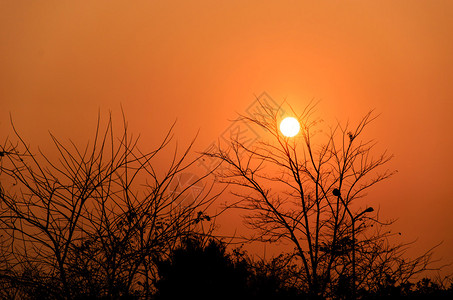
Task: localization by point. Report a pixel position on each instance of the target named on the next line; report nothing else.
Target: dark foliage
(423, 289)
(207, 271)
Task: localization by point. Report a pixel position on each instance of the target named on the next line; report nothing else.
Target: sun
(289, 126)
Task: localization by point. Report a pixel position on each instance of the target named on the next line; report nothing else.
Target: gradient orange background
(202, 61)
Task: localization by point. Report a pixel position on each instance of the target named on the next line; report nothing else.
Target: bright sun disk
(289, 126)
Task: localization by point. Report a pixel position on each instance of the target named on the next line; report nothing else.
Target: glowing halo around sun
(289, 126)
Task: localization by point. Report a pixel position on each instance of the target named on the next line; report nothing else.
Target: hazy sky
(202, 61)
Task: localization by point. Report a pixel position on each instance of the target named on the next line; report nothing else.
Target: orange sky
(202, 61)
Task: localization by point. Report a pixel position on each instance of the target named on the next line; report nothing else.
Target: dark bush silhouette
(195, 271)
(423, 289)
(204, 270)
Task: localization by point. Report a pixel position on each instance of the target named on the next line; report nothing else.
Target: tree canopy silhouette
(309, 191)
(93, 221)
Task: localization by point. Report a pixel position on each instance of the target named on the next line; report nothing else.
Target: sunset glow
(190, 75)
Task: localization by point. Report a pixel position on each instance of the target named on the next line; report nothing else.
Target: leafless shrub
(94, 221)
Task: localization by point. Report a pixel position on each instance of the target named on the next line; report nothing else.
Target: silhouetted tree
(93, 222)
(308, 190)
